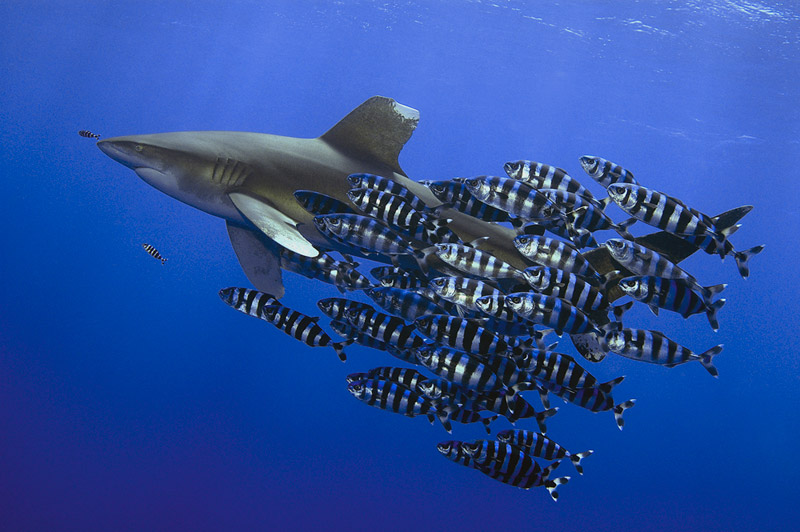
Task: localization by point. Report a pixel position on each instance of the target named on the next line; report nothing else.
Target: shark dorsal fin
(375, 131)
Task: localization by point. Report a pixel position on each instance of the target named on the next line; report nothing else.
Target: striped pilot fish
(725, 248)
(589, 218)
(460, 368)
(461, 415)
(302, 327)
(336, 307)
(388, 329)
(558, 368)
(605, 172)
(593, 398)
(153, 252)
(346, 330)
(389, 395)
(566, 285)
(88, 134)
(246, 300)
(655, 348)
(407, 377)
(670, 294)
(511, 195)
(397, 212)
(452, 451)
(462, 334)
(556, 254)
(662, 211)
(384, 184)
(317, 203)
(404, 303)
(544, 176)
(552, 312)
(455, 194)
(536, 444)
(640, 260)
(343, 275)
(511, 465)
(473, 261)
(462, 291)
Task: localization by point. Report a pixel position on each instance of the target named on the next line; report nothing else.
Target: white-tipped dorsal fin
(259, 257)
(375, 131)
(273, 223)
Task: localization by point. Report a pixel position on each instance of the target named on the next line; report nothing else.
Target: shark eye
(139, 148)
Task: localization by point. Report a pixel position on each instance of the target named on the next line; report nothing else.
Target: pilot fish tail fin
(620, 409)
(339, 348)
(606, 387)
(706, 359)
(710, 291)
(622, 228)
(551, 486)
(743, 257)
(486, 422)
(445, 420)
(542, 416)
(712, 313)
(576, 460)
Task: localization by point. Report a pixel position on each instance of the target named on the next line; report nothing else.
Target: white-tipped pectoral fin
(273, 223)
(259, 257)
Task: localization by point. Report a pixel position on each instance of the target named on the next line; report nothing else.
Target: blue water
(131, 398)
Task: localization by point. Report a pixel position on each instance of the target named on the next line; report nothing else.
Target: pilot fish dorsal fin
(273, 223)
(375, 131)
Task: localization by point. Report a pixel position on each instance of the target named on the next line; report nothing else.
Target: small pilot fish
(317, 203)
(537, 444)
(455, 194)
(153, 252)
(408, 377)
(251, 302)
(552, 312)
(566, 285)
(556, 254)
(384, 184)
(512, 196)
(336, 307)
(88, 134)
(593, 398)
(475, 262)
(323, 267)
(557, 368)
(566, 202)
(394, 397)
(362, 232)
(605, 172)
(670, 294)
(461, 334)
(391, 209)
(640, 260)
(403, 281)
(462, 415)
(496, 307)
(462, 291)
(389, 329)
(452, 451)
(590, 218)
(654, 347)
(712, 247)
(540, 176)
(302, 327)
(661, 211)
(403, 303)
(460, 368)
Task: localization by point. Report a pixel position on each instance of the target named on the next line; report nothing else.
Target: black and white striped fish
(566, 202)
(317, 203)
(389, 329)
(566, 285)
(343, 275)
(537, 444)
(670, 294)
(640, 260)
(153, 252)
(495, 306)
(455, 194)
(558, 368)
(408, 377)
(302, 327)
(589, 219)
(475, 262)
(336, 307)
(539, 176)
(346, 330)
(462, 291)
(655, 348)
(452, 451)
(556, 254)
(384, 184)
(712, 247)
(389, 395)
(460, 368)
(88, 134)
(246, 300)
(404, 303)
(461, 415)
(593, 398)
(461, 334)
(511, 195)
(661, 211)
(605, 172)
(552, 312)
(364, 233)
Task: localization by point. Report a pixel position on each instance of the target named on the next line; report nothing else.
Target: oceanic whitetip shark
(249, 179)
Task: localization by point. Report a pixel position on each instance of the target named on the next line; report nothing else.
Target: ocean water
(131, 398)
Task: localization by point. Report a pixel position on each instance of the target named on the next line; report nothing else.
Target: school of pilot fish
(472, 330)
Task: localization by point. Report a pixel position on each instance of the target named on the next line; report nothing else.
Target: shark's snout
(126, 152)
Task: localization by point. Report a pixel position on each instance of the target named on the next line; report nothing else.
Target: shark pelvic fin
(375, 131)
(273, 223)
(259, 257)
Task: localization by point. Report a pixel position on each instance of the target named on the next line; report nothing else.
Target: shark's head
(187, 166)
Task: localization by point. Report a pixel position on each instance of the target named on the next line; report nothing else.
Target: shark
(249, 179)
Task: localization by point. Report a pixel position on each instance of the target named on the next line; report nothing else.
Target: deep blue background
(132, 398)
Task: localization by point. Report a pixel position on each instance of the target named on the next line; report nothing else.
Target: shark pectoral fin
(273, 223)
(376, 131)
(260, 259)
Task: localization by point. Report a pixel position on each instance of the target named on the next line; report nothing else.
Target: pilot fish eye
(515, 299)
